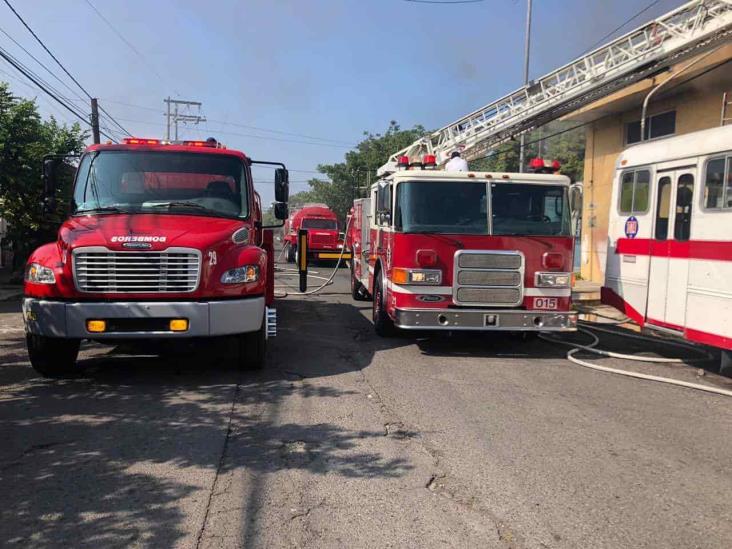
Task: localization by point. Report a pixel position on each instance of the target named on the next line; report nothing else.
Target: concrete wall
(697, 101)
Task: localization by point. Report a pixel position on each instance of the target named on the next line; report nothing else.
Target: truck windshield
(441, 207)
(461, 207)
(162, 182)
(520, 209)
(315, 223)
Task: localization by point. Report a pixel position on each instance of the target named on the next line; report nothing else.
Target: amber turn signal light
(179, 325)
(96, 326)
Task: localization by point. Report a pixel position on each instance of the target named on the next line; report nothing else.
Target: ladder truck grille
(488, 278)
(175, 270)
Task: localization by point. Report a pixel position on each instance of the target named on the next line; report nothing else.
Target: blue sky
(329, 69)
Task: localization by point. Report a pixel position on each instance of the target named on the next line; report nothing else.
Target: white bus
(669, 261)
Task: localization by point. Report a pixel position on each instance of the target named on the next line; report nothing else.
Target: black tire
(52, 356)
(290, 253)
(358, 292)
(252, 349)
(383, 324)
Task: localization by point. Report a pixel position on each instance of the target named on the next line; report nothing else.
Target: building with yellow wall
(690, 100)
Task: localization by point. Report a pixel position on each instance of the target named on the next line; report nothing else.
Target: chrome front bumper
(486, 319)
(205, 319)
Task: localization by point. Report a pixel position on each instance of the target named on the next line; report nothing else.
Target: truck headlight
(245, 273)
(553, 280)
(428, 277)
(38, 274)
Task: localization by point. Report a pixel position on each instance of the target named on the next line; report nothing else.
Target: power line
(127, 42)
(225, 123)
(31, 77)
(616, 29)
(49, 71)
(444, 1)
(236, 134)
(30, 30)
(234, 124)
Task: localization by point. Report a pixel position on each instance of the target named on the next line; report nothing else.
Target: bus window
(713, 186)
(684, 198)
(663, 207)
(728, 189)
(634, 189)
(626, 193)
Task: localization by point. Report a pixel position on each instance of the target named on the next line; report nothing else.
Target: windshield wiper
(101, 209)
(181, 204)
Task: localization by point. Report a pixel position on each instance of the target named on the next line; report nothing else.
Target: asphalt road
(348, 440)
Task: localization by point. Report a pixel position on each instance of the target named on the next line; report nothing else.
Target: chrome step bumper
(486, 319)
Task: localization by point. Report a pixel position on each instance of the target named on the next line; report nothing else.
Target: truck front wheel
(383, 324)
(252, 349)
(52, 356)
(290, 253)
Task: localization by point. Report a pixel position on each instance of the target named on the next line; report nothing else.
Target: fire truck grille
(484, 278)
(490, 278)
(490, 261)
(492, 296)
(103, 271)
(321, 239)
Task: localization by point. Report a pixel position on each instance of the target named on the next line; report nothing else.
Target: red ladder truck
(443, 250)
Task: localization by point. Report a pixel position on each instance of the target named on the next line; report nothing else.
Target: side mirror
(50, 177)
(280, 210)
(575, 199)
(575, 206)
(282, 186)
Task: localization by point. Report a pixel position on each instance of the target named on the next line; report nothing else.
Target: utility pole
(95, 120)
(185, 117)
(527, 48)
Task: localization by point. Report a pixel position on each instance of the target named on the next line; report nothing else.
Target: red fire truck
(443, 250)
(324, 240)
(164, 242)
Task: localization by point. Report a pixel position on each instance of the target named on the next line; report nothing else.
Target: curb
(10, 295)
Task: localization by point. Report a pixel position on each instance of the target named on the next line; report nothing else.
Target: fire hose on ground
(587, 327)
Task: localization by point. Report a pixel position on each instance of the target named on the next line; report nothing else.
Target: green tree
(554, 141)
(24, 139)
(349, 179)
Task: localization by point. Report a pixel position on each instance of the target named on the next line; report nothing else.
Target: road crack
(222, 459)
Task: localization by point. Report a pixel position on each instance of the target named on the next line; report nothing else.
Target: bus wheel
(383, 325)
(52, 356)
(290, 253)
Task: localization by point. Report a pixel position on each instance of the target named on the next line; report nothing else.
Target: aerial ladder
(690, 29)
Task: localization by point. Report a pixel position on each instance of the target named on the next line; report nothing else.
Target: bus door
(669, 268)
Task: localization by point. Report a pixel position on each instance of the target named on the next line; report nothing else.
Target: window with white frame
(718, 183)
(634, 189)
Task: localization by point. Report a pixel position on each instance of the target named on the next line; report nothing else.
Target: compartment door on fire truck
(669, 269)
(364, 217)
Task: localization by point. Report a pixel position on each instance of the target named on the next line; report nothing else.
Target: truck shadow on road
(127, 452)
